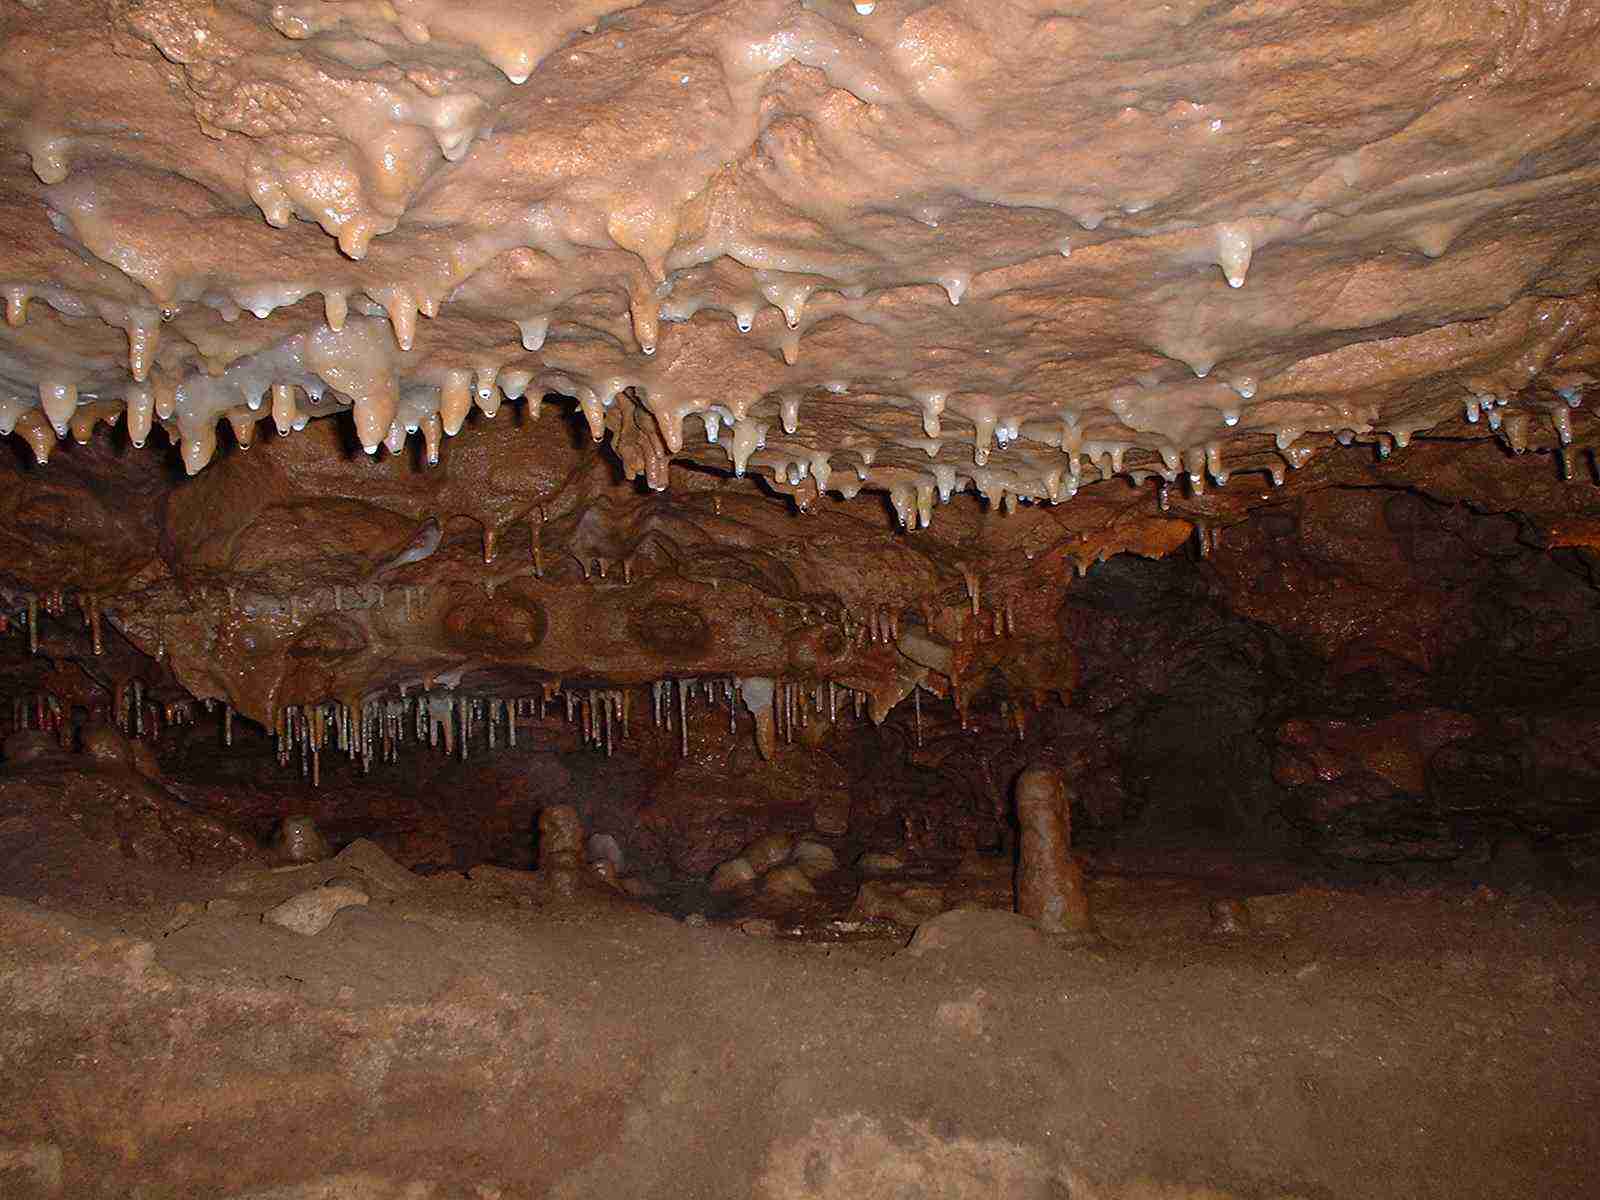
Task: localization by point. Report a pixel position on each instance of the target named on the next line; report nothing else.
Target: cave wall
(1370, 673)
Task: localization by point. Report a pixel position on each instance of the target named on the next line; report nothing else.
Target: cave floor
(479, 1037)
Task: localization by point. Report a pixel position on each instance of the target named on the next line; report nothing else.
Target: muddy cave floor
(478, 1035)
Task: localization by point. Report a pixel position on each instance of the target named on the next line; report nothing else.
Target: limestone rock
(832, 815)
(787, 882)
(905, 904)
(299, 841)
(815, 859)
(603, 847)
(368, 860)
(880, 863)
(767, 852)
(311, 911)
(732, 875)
(982, 932)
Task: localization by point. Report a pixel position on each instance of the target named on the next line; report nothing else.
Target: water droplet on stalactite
(534, 330)
(594, 413)
(646, 314)
(1572, 395)
(198, 446)
(143, 338)
(488, 395)
(396, 439)
(1563, 423)
(1234, 248)
(140, 402)
(59, 400)
(514, 386)
(244, 429)
(165, 388)
(455, 401)
(1515, 432)
(955, 286)
(1472, 410)
(983, 428)
(1214, 464)
(904, 501)
(744, 440)
(432, 433)
(865, 7)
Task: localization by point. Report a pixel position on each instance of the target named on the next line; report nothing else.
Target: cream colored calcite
(918, 249)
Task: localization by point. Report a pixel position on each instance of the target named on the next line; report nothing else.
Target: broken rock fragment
(313, 910)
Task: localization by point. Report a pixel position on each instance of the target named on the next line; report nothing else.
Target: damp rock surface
(312, 911)
(597, 1020)
(299, 841)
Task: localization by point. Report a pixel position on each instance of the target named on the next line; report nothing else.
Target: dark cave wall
(1365, 677)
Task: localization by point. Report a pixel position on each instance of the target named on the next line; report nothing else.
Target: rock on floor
(311, 911)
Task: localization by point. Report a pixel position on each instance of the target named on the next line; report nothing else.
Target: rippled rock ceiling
(889, 320)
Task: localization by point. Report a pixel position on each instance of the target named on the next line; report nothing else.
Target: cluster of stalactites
(375, 731)
(138, 716)
(30, 606)
(41, 711)
(133, 712)
(354, 368)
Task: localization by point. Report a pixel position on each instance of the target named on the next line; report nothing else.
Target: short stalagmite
(1050, 885)
(298, 840)
(561, 847)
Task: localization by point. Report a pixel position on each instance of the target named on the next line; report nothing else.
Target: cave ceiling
(815, 341)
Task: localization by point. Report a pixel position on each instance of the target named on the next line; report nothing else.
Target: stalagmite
(561, 848)
(1050, 883)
